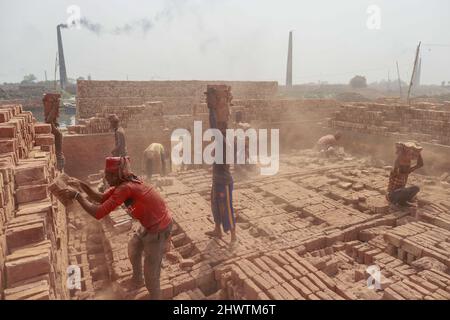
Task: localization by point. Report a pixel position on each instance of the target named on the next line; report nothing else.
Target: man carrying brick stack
(397, 192)
(51, 113)
(143, 203)
(120, 148)
(218, 99)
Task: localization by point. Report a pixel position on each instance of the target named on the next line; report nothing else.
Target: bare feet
(214, 234)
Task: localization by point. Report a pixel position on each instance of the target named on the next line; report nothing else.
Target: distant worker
(327, 144)
(51, 113)
(397, 192)
(155, 160)
(143, 203)
(120, 148)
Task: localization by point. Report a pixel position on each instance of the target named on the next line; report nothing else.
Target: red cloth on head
(112, 164)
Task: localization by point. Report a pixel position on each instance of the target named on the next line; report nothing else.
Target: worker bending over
(155, 160)
(143, 203)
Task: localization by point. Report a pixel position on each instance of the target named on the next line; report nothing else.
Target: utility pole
(413, 72)
(45, 72)
(399, 81)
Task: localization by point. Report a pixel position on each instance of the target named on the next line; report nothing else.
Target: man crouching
(397, 192)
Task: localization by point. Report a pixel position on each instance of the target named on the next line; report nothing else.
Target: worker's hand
(68, 193)
(74, 183)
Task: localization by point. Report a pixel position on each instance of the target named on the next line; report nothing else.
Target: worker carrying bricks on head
(218, 99)
(143, 203)
(120, 148)
(51, 113)
(397, 192)
(327, 144)
(155, 159)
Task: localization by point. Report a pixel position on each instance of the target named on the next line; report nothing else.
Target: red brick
(306, 282)
(293, 272)
(8, 145)
(274, 294)
(166, 291)
(44, 140)
(42, 128)
(251, 290)
(390, 294)
(24, 235)
(323, 296)
(261, 264)
(299, 268)
(31, 193)
(30, 174)
(262, 283)
(284, 274)
(301, 288)
(314, 279)
(7, 131)
(27, 267)
(294, 293)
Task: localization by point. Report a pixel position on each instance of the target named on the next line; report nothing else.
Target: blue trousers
(222, 205)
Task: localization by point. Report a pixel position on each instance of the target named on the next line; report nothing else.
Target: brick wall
(176, 95)
(85, 154)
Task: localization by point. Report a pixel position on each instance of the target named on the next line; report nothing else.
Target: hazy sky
(226, 39)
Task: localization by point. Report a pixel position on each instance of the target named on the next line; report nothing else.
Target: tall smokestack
(418, 74)
(289, 63)
(62, 63)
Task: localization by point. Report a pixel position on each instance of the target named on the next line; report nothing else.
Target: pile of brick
(418, 239)
(275, 110)
(33, 257)
(422, 122)
(279, 275)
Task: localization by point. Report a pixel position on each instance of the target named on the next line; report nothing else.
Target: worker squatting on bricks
(397, 192)
(143, 203)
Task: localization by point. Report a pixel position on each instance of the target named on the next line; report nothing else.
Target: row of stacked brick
(129, 116)
(423, 122)
(32, 223)
(177, 96)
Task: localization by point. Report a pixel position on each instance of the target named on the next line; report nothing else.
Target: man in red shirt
(143, 203)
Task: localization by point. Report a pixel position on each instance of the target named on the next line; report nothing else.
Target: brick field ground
(309, 232)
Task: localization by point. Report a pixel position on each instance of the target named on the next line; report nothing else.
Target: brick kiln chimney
(289, 63)
(62, 63)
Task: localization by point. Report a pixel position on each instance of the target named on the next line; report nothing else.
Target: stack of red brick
(32, 224)
(129, 116)
(422, 122)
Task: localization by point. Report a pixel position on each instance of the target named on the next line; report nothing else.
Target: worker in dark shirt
(222, 189)
(143, 203)
(120, 149)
